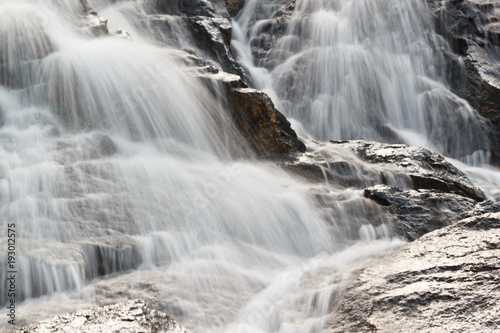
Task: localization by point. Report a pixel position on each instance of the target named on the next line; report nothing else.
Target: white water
(115, 160)
(359, 69)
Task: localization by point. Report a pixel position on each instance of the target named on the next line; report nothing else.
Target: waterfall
(125, 177)
(359, 69)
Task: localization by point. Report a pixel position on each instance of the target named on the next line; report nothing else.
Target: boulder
(422, 168)
(417, 190)
(446, 281)
(265, 129)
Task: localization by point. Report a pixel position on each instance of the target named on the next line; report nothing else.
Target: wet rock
(132, 316)
(213, 36)
(417, 190)
(187, 7)
(472, 28)
(263, 127)
(446, 281)
(396, 164)
(120, 33)
(106, 255)
(265, 36)
(93, 147)
(427, 170)
(208, 25)
(234, 6)
(417, 212)
(97, 25)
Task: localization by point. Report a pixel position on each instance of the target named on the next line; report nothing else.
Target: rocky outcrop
(427, 170)
(264, 128)
(472, 27)
(209, 26)
(446, 281)
(265, 131)
(97, 25)
(417, 189)
(421, 167)
(132, 316)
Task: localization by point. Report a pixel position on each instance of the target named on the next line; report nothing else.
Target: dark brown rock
(263, 127)
(234, 6)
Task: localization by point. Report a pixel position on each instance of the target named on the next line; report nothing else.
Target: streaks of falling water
(114, 157)
(359, 69)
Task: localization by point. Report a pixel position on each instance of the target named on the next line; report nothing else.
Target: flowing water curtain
(359, 70)
(64, 94)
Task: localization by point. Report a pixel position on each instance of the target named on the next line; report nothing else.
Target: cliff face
(442, 281)
(473, 29)
(265, 130)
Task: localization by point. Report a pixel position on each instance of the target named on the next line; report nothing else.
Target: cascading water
(114, 157)
(358, 69)
(118, 167)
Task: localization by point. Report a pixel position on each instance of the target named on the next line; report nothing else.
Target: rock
(132, 316)
(213, 36)
(120, 33)
(107, 255)
(417, 189)
(234, 6)
(263, 127)
(417, 167)
(419, 212)
(446, 281)
(427, 170)
(472, 28)
(97, 25)
(93, 147)
(187, 7)
(208, 25)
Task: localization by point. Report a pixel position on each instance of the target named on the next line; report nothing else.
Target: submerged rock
(132, 316)
(446, 281)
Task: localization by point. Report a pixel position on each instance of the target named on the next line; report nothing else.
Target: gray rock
(97, 25)
(132, 316)
(446, 281)
(421, 168)
(427, 170)
(419, 212)
(213, 36)
(472, 28)
(417, 190)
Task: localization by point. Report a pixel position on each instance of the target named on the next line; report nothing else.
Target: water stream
(125, 179)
